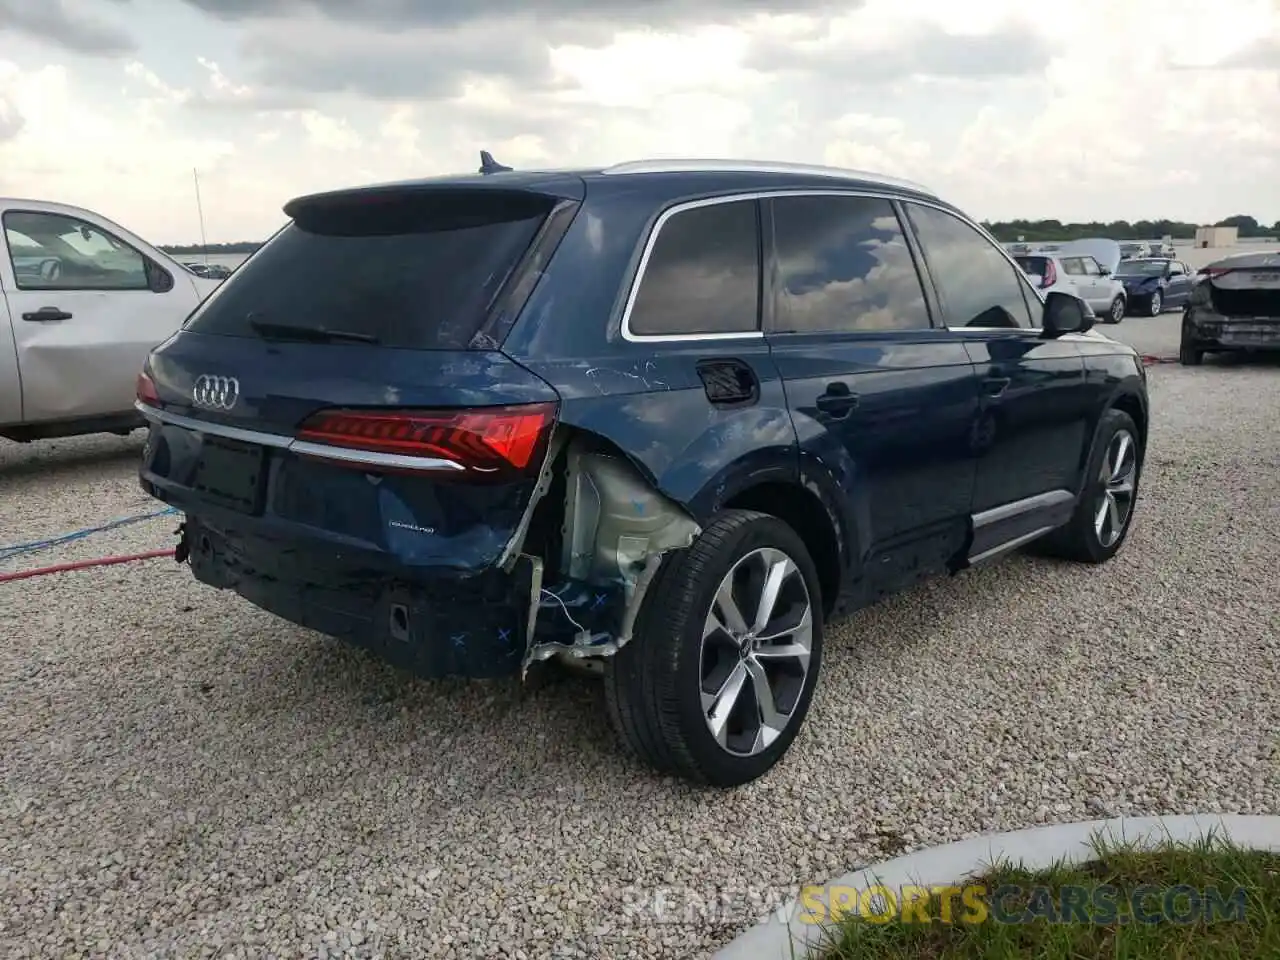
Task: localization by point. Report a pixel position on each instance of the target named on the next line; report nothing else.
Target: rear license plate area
(231, 474)
(1251, 334)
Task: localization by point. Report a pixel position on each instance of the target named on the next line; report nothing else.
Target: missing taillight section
(145, 391)
(489, 441)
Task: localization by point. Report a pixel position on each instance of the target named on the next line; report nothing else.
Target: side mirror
(1105, 271)
(1064, 313)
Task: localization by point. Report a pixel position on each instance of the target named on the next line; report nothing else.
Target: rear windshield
(1142, 268)
(411, 270)
(1034, 265)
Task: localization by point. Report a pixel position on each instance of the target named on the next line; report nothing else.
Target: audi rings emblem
(215, 393)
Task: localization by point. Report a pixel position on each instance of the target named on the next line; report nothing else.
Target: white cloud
(1086, 110)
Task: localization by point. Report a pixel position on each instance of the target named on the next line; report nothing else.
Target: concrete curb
(774, 938)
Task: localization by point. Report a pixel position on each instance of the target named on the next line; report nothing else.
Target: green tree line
(1006, 231)
(1009, 231)
(188, 249)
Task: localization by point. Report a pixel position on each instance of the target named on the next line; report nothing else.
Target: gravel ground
(183, 775)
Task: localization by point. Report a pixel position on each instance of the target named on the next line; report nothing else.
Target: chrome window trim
(304, 448)
(649, 243)
(753, 196)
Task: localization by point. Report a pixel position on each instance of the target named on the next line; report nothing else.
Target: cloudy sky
(1081, 109)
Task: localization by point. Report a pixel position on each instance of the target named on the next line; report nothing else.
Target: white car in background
(82, 303)
(1071, 270)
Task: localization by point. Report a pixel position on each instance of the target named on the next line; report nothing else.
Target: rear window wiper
(288, 331)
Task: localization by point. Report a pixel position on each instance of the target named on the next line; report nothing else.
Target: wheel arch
(804, 512)
(1129, 398)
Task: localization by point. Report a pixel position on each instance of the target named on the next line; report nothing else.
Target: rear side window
(978, 285)
(1036, 266)
(702, 275)
(410, 270)
(1073, 266)
(844, 266)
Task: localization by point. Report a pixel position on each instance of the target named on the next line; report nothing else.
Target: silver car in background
(82, 303)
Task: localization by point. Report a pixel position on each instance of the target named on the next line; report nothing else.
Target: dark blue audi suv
(664, 419)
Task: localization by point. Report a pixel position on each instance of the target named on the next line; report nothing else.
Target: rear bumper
(1212, 331)
(473, 625)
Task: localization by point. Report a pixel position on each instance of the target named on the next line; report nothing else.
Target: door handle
(838, 400)
(994, 386)
(46, 314)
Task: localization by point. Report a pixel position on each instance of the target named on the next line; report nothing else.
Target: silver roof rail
(761, 166)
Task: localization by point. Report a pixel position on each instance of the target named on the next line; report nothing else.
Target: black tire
(1116, 313)
(1189, 356)
(1078, 540)
(653, 684)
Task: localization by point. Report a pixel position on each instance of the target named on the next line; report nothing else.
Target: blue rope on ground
(18, 549)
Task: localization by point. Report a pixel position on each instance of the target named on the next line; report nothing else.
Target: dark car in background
(1154, 284)
(666, 418)
(1234, 307)
(214, 271)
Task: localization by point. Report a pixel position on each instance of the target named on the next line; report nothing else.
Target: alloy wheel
(1118, 477)
(1157, 303)
(756, 645)
(1117, 310)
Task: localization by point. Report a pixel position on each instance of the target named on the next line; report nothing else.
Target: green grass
(1207, 863)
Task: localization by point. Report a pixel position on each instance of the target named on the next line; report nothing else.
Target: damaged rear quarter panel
(677, 461)
(655, 411)
(646, 398)
(648, 402)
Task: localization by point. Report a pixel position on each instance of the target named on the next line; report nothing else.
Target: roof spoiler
(488, 165)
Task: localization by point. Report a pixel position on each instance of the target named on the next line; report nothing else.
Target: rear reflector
(493, 440)
(145, 390)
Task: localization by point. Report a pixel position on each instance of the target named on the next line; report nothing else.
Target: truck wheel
(717, 678)
(1188, 355)
(1103, 515)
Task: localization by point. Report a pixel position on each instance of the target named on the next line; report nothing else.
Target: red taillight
(1050, 275)
(145, 390)
(492, 440)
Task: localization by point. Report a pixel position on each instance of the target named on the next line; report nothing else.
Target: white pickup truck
(82, 303)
